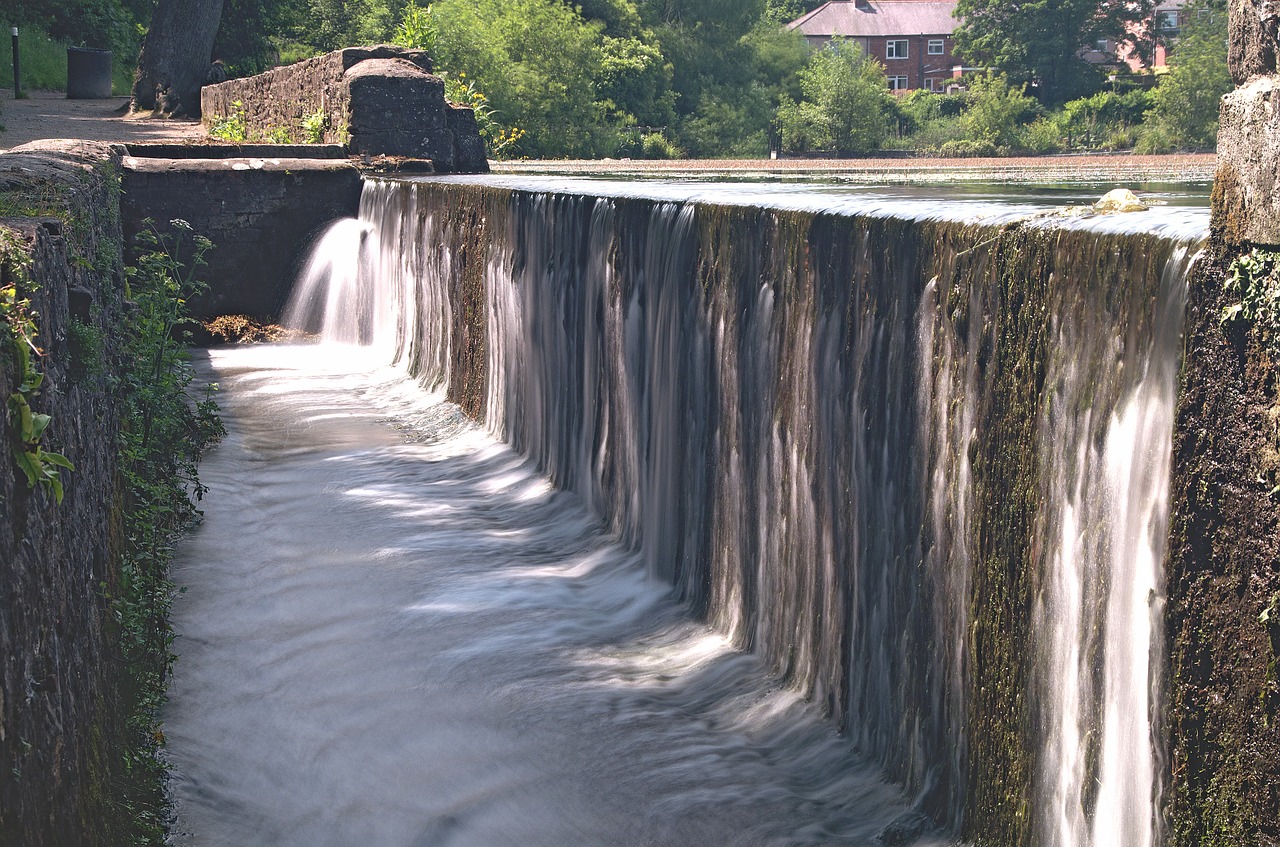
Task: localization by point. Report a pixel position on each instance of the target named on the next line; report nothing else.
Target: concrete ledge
(229, 150)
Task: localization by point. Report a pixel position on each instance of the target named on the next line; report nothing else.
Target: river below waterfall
(395, 632)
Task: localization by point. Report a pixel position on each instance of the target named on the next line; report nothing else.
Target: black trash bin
(88, 74)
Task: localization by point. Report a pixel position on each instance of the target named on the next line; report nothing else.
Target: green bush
(1041, 136)
(996, 110)
(655, 145)
(970, 148)
(230, 127)
(417, 29)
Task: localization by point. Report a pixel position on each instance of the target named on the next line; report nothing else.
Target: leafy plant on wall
(40, 467)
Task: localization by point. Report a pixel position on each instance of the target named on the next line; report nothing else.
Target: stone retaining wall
(1224, 566)
(380, 100)
(59, 707)
(260, 214)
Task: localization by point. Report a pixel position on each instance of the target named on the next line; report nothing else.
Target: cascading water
(919, 466)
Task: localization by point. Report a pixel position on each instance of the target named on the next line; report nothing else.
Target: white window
(1102, 46)
(935, 46)
(895, 49)
(898, 83)
(931, 84)
(1169, 20)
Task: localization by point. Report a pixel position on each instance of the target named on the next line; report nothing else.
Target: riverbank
(1120, 169)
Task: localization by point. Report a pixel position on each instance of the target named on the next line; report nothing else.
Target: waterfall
(919, 465)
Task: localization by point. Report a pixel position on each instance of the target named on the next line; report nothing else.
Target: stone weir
(374, 101)
(920, 466)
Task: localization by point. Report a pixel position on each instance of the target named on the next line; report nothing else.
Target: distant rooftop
(873, 18)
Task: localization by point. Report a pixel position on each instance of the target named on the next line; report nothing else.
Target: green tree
(846, 104)
(538, 61)
(1185, 112)
(635, 80)
(1037, 42)
(995, 110)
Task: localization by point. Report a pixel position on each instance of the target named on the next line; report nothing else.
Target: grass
(44, 64)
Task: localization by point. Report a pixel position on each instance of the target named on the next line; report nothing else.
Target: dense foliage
(846, 103)
(1039, 42)
(706, 78)
(163, 435)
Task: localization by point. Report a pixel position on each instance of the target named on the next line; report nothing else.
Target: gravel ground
(49, 114)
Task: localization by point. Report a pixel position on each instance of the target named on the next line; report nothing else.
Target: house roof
(871, 18)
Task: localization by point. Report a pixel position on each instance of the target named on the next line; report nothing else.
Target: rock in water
(1120, 200)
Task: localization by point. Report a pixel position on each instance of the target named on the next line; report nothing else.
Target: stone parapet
(380, 100)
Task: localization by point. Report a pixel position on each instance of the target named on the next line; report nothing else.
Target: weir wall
(60, 717)
(846, 441)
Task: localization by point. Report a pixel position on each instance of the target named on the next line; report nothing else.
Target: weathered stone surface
(260, 213)
(282, 98)
(380, 100)
(1251, 42)
(1246, 203)
(352, 56)
(59, 712)
(229, 150)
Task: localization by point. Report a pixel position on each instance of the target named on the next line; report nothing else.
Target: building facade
(911, 38)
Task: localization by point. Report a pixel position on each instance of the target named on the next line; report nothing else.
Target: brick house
(911, 38)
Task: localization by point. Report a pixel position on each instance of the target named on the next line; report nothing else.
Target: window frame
(891, 49)
(942, 47)
(895, 78)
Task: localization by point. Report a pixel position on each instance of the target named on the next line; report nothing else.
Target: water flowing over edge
(920, 466)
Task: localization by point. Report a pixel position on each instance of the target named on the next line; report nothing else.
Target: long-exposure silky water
(917, 462)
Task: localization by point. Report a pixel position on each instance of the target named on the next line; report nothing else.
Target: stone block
(1246, 203)
(1251, 42)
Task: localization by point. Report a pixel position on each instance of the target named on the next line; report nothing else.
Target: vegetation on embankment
(85, 579)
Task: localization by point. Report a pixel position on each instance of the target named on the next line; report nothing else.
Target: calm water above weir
(908, 458)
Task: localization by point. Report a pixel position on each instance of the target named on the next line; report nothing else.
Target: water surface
(394, 632)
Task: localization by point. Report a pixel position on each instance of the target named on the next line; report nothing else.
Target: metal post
(17, 77)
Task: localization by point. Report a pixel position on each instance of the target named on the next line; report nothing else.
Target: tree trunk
(175, 58)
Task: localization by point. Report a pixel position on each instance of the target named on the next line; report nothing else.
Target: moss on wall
(1224, 570)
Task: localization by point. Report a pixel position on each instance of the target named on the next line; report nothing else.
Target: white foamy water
(395, 632)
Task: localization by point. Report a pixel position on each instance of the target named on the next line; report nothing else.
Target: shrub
(417, 29)
(313, 127)
(655, 145)
(970, 148)
(1041, 136)
(231, 127)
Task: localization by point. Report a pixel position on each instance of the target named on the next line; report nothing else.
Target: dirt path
(49, 114)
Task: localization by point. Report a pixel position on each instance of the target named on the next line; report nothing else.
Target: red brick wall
(919, 65)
